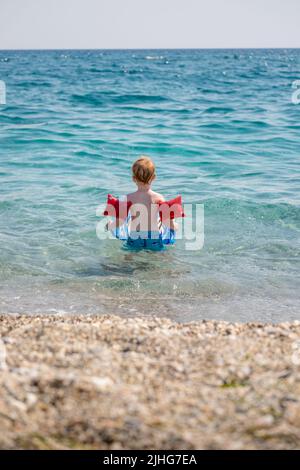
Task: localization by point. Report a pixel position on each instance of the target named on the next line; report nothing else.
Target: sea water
(223, 131)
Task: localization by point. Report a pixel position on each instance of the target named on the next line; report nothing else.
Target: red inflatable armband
(171, 209)
(116, 208)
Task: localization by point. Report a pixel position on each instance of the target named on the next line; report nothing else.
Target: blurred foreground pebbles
(105, 382)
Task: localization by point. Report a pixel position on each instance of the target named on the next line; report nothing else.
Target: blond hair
(143, 170)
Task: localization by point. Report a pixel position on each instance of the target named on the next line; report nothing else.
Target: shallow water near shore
(222, 130)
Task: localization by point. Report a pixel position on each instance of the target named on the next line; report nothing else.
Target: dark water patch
(96, 99)
(218, 110)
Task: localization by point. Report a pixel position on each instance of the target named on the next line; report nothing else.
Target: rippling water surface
(222, 130)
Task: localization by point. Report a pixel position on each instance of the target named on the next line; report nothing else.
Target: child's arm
(113, 224)
(173, 225)
(170, 222)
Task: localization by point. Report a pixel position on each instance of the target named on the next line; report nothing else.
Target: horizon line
(146, 48)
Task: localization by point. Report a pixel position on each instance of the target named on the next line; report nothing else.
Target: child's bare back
(145, 209)
(146, 225)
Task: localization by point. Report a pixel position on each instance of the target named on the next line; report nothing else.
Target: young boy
(144, 224)
(144, 200)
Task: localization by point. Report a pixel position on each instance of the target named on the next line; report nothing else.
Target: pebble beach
(106, 382)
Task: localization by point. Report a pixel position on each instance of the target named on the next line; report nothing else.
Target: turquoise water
(222, 130)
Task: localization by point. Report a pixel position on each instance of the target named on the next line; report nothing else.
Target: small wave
(98, 99)
(154, 57)
(28, 84)
(278, 140)
(136, 98)
(11, 119)
(255, 123)
(36, 141)
(26, 126)
(218, 110)
(86, 154)
(94, 99)
(212, 125)
(89, 190)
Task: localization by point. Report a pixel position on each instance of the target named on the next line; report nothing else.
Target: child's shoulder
(130, 195)
(157, 197)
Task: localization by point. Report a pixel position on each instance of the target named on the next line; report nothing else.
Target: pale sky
(71, 24)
